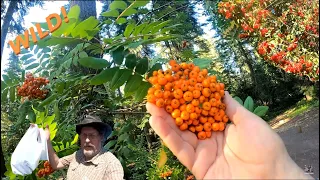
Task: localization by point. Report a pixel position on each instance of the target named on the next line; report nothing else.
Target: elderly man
(92, 161)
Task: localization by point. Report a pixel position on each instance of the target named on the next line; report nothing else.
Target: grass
(301, 107)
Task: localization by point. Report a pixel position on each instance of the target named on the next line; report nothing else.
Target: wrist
(288, 169)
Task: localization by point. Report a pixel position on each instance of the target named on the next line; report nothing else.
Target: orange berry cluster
(31, 87)
(46, 171)
(166, 174)
(190, 177)
(191, 96)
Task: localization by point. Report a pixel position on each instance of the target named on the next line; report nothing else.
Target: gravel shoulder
(301, 137)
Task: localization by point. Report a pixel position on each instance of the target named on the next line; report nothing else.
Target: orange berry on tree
(157, 87)
(196, 69)
(178, 93)
(193, 115)
(189, 122)
(184, 65)
(207, 126)
(167, 101)
(202, 135)
(191, 88)
(225, 119)
(195, 102)
(176, 113)
(172, 62)
(169, 109)
(183, 107)
(184, 86)
(193, 75)
(166, 94)
(190, 108)
(199, 127)
(198, 86)
(192, 129)
(151, 98)
(179, 121)
(160, 102)
(151, 90)
(208, 133)
(155, 73)
(206, 83)
(221, 126)
(210, 120)
(188, 96)
(175, 67)
(196, 93)
(215, 126)
(182, 101)
(203, 119)
(183, 127)
(158, 93)
(175, 103)
(195, 122)
(192, 81)
(206, 106)
(168, 86)
(162, 81)
(185, 115)
(202, 99)
(197, 110)
(206, 92)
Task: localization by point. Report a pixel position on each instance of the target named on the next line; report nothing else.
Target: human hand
(47, 132)
(248, 148)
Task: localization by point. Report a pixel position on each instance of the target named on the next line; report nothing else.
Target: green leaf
(149, 27)
(118, 5)
(111, 13)
(131, 61)
(88, 24)
(125, 151)
(118, 55)
(121, 76)
(155, 67)
(128, 12)
(108, 21)
(142, 66)
(94, 63)
(162, 158)
(4, 95)
(28, 61)
(110, 144)
(139, 28)
(121, 20)
(32, 116)
(74, 12)
(248, 103)
(202, 62)
(62, 41)
(104, 76)
(32, 66)
(123, 137)
(56, 111)
(142, 91)
(25, 57)
(75, 139)
(48, 100)
(159, 26)
(261, 110)
(239, 100)
(133, 83)
(126, 128)
(49, 119)
(12, 94)
(7, 80)
(128, 30)
(139, 3)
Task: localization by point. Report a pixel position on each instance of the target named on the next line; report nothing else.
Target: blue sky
(37, 14)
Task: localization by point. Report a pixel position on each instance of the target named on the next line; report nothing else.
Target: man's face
(90, 142)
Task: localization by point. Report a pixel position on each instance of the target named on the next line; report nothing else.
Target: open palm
(248, 148)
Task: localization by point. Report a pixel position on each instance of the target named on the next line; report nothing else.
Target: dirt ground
(301, 137)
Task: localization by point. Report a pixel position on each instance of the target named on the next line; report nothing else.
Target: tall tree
(14, 25)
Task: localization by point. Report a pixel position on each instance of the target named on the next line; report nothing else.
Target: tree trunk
(247, 61)
(87, 8)
(6, 23)
(3, 164)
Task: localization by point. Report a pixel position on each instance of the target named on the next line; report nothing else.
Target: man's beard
(89, 151)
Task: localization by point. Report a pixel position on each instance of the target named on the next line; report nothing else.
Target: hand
(47, 133)
(248, 148)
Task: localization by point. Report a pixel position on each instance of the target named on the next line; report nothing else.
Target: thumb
(47, 127)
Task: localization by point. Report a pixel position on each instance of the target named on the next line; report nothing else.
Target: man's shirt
(102, 166)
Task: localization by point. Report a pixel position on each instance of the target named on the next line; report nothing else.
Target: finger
(236, 112)
(160, 112)
(182, 150)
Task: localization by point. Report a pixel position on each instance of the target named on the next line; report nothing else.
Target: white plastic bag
(31, 149)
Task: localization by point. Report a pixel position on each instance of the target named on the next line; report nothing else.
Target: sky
(37, 14)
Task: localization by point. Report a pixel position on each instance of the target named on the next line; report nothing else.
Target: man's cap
(95, 122)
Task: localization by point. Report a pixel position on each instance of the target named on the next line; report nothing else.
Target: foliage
(287, 34)
(249, 105)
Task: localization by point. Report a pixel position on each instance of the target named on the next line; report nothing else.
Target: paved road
(303, 144)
